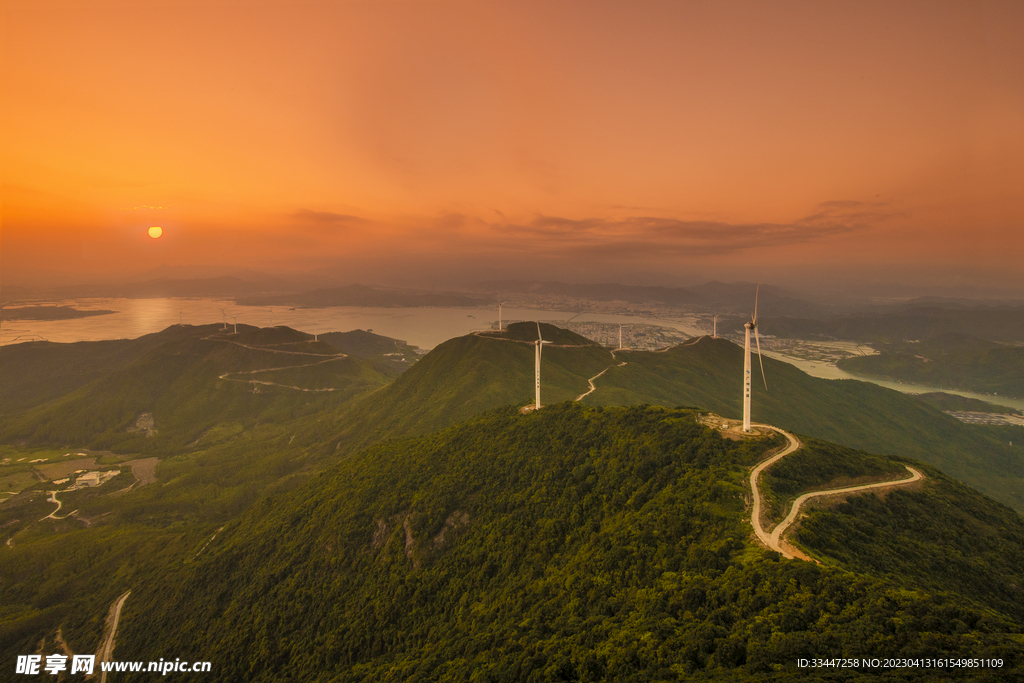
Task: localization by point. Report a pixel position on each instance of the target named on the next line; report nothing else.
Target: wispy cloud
(852, 213)
(644, 235)
(324, 217)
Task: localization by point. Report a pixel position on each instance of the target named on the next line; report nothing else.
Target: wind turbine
(540, 345)
(224, 319)
(500, 304)
(271, 317)
(316, 336)
(715, 333)
(752, 325)
(235, 317)
(620, 336)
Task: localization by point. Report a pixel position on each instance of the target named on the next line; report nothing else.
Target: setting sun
(155, 232)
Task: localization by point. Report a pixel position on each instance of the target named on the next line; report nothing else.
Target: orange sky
(652, 140)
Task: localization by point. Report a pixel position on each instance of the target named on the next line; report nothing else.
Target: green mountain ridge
(189, 379)
(197, 381)
(904, 324)
(297, 535)
(572, 543)
(951, 361)
(471, 374)
(955, 402)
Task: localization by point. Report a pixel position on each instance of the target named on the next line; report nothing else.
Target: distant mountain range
(360, 295)
(712, 297)
(900, 324)
(47, 313)
(225, 286)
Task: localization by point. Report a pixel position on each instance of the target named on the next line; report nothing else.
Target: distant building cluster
(825, 352)
(637, 336)
(91, 480)
(972, 417)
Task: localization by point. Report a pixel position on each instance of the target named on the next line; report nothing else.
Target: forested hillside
(473, 373)
(951, 362)
(191, 382)
(902, 324)
(706, 373)
(576, 542)
(469, 375)
(566, 544)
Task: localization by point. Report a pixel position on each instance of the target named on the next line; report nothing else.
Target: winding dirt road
(325, 358)
(53, 515)
(775, 540)
(755, 514)
(52, 499)
(781, 527)
(227, 375)
(271, 350)
(590, 381)
(107, 648)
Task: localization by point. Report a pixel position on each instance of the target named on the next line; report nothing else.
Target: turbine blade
(757, 338)
(539, 337)
(756, 293)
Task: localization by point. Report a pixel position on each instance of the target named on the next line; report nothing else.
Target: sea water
(425, 327)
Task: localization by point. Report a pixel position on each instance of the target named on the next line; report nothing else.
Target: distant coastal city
(637, 336)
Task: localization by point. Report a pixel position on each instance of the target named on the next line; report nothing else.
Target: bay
(424, 327)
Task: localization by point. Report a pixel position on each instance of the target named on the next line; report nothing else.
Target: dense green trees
(949, 361)
(942, 536)
(573, 543)
(569, 544)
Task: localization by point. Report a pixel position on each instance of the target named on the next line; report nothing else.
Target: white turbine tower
(715, 333)
(316, 334)
(224, 319)
(620, 336)
(235, 318)
(752, 325)
(540, 345)
(500, 304)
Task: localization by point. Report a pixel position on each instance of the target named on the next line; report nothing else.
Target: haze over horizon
(420, 143)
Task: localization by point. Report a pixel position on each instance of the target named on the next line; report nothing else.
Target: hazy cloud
(324, 217)
(840, 204)
(647, 235)
(847, 212)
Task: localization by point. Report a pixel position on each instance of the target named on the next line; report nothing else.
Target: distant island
(48, 313)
